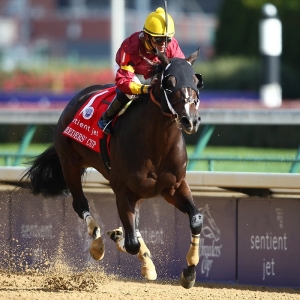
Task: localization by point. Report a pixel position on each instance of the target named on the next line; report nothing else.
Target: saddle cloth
(84, 128)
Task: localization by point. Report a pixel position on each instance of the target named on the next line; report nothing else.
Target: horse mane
(159, 67)
(156, 69)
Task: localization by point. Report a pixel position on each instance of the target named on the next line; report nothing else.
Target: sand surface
(61, 284)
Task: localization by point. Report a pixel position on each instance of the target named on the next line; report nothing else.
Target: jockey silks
(133, 58)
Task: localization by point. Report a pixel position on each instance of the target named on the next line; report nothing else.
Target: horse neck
(165, 129)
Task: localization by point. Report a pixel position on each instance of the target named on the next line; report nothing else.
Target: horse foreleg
(182, 199)
(97, 248)
(148, 269)
(117, 236)
(188, 275)
(131, 241)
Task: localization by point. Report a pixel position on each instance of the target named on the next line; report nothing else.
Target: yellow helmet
(155, 24)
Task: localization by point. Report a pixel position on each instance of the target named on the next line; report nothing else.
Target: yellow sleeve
(138, 88)
(135, 88)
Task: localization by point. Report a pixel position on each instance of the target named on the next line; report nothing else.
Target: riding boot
(113, 109)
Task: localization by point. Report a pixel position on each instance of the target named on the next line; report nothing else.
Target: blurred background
(54, 35)
(51, 49)
(61, 34)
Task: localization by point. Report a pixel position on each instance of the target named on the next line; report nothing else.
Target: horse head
(178, 87)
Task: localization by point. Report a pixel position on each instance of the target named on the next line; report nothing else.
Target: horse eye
(200, 81)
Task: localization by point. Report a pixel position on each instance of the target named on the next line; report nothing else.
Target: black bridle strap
(158, 103)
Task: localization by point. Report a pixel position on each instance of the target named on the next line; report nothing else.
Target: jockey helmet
(155, 24)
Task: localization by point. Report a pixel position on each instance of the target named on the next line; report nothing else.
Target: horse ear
(163, 58)
(169, 83)
(193, 56)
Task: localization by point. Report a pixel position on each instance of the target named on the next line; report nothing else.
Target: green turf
(9, 151)
(243, 158)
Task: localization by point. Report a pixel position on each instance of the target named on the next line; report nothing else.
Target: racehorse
(147, 158)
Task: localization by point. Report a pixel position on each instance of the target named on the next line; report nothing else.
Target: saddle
(84, 128)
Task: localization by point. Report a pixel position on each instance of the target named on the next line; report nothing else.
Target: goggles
(161, 40)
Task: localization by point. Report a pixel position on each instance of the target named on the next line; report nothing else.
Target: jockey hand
(152, 84)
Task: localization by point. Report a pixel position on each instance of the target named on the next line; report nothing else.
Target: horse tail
(45, 175)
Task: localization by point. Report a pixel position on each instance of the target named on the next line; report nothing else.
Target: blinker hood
(183, 71)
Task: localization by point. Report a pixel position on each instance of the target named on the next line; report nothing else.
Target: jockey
(135, 59)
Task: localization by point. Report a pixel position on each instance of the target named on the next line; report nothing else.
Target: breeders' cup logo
(210, 235)
(88, 112)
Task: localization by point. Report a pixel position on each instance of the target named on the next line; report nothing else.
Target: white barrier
(235, 244)
(208, 116)
(195, 179)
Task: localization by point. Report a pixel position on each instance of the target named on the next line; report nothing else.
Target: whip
(166, 17)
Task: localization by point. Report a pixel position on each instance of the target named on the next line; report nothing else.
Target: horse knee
(196, 223)
(132, 246)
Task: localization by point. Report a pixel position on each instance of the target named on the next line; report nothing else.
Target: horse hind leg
(97, 248)
(72, 175)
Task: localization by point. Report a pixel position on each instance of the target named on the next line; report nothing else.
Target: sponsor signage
(269, 242)
(251, 240)
(218, 239)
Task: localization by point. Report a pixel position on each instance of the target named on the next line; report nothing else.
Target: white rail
(208, 116)
(194, 178)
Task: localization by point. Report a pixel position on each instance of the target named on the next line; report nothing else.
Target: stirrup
(102, 123)
(106, 127)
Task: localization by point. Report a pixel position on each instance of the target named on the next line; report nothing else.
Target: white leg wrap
(91, 224)
(192, 256)
(86, 214)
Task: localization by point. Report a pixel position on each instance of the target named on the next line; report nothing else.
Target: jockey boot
(113, 109)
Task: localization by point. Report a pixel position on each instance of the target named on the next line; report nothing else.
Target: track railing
(250, 231)
(285, 165)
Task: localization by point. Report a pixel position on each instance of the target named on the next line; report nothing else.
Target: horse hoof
(97, 249)
(149, 274)
(116, 234)
(187, 284)
(188, 277)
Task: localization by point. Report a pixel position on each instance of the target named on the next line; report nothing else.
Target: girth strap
(104, 153)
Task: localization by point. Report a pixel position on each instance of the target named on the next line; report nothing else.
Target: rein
(158, 104)
(173, 113)
(183, 72)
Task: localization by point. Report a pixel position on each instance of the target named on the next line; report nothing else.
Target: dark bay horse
(148, 158)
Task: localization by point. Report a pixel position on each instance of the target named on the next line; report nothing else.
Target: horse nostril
(186, 122)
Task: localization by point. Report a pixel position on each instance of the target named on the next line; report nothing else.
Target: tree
(238, 34)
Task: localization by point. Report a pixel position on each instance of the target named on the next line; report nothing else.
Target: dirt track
(86, 285)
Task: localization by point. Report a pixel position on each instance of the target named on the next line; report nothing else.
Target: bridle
(183, 83)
